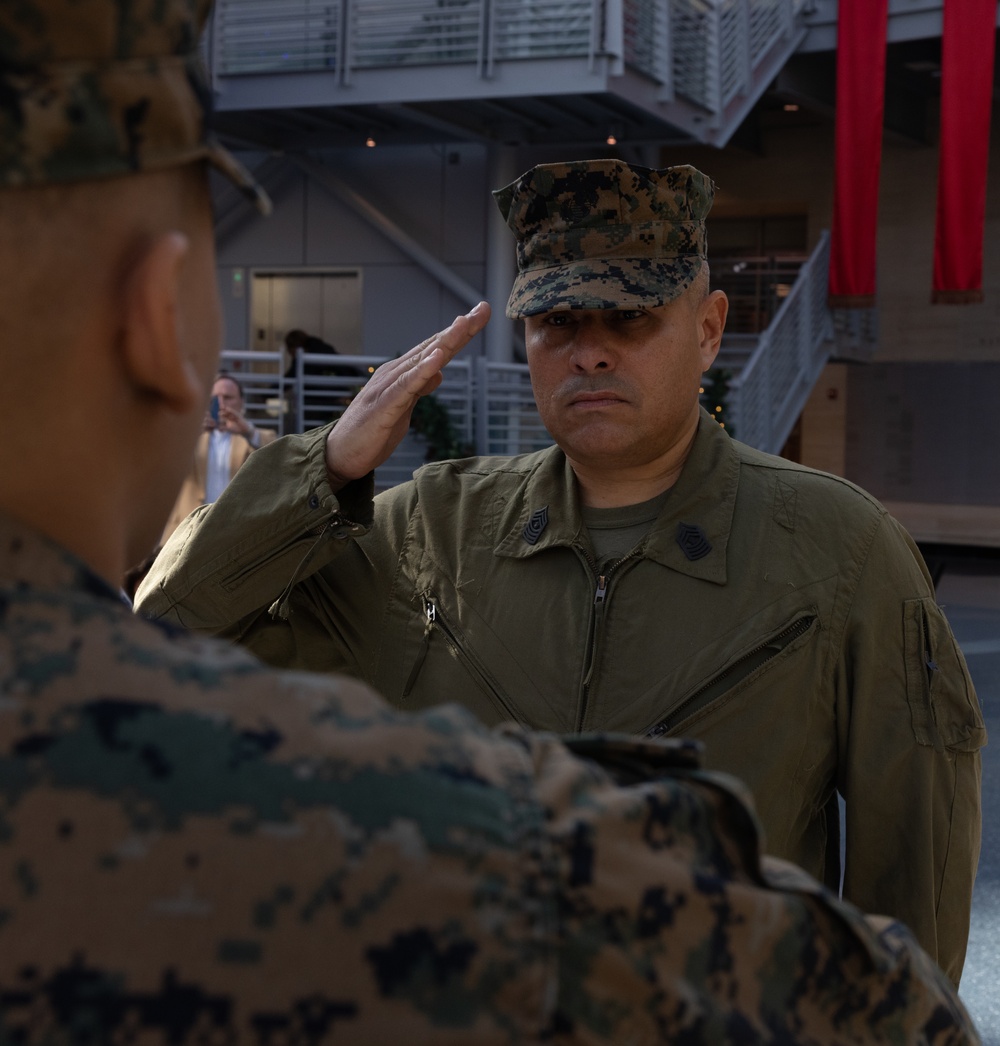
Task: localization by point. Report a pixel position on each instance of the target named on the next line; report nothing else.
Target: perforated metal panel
(259, 36)
(262, 36)
(693, 28)
(770, 391)
(646, 30)
(717, 45)
(768, 19)
(734, 50)
(415, 32)
(541, 28)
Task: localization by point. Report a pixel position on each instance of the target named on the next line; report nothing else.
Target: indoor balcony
(303, 74)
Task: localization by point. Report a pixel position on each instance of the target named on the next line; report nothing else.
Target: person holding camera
(227, 440)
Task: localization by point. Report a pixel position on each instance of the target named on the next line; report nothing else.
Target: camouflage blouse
(196, 848)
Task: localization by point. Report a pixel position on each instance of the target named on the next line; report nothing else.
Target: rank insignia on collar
(693, 541)
(534, 527)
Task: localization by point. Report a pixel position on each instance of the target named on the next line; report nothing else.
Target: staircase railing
(769, 392)
(491, 405)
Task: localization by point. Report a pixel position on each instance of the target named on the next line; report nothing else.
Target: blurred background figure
(309, 343)
(228, 439)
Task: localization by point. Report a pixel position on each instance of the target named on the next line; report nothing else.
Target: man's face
(229, 395)
(618, 388)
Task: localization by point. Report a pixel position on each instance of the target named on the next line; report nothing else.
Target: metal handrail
(769, 392)
(265, 387)
(321, 394)
(492, 404)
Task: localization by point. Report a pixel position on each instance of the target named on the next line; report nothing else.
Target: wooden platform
(949, 524)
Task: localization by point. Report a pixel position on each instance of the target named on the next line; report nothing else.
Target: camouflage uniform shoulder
(199, 848)
(674, 928)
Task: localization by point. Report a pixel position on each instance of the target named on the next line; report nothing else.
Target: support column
(501, 263)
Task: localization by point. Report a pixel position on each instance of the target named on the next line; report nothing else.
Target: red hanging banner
(861, 38)
(967, 46)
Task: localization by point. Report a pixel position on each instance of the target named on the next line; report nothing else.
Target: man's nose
(590, 352)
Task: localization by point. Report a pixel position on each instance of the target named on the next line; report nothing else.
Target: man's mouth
(596, 398)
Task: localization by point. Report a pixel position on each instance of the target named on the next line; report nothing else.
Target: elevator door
(324, 304)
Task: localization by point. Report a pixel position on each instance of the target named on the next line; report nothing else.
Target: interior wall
(435, 194)
(793, 169)
(925, 432)
(823, 428)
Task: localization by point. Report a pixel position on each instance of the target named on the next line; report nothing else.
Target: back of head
(104, 138)
(295, 339)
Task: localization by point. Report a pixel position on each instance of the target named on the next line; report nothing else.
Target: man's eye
(557, 319)
(626, 315)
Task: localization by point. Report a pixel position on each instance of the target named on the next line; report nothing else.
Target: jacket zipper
(601, 595)
(316, 532)
(430, 615)
(929, 663)
(433, 620)
(730, 676)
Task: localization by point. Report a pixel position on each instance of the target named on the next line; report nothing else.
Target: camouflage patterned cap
(96, 88)
(604, 234)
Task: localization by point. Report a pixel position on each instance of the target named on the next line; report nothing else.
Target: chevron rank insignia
(693, 541)
(534, 527)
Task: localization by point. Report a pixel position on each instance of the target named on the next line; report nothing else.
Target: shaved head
(109, 330)
(66, 249)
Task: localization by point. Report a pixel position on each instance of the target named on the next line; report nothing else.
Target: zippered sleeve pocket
(944, 709)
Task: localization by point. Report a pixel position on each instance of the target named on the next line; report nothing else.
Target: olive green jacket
(777, 614)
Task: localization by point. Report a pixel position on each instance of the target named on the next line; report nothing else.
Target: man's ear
(152, 348)
(712, 315)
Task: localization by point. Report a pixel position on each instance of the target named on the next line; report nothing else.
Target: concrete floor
(972, 603)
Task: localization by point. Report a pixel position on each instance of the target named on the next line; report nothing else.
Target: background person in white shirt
(220, 451)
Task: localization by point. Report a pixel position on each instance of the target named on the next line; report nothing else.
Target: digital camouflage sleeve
(196, 848)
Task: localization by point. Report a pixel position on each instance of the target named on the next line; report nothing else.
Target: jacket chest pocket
(757, 659)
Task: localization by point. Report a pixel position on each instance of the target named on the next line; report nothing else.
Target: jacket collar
(690, 535)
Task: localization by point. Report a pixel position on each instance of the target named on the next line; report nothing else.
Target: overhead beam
(459, 130)
(323, 176)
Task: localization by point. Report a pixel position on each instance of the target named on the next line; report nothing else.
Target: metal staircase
(774, 372)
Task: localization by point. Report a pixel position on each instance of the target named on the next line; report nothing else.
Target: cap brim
(621, 283)
(224, 162)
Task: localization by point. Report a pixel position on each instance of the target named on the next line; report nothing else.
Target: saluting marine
(198, 848)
